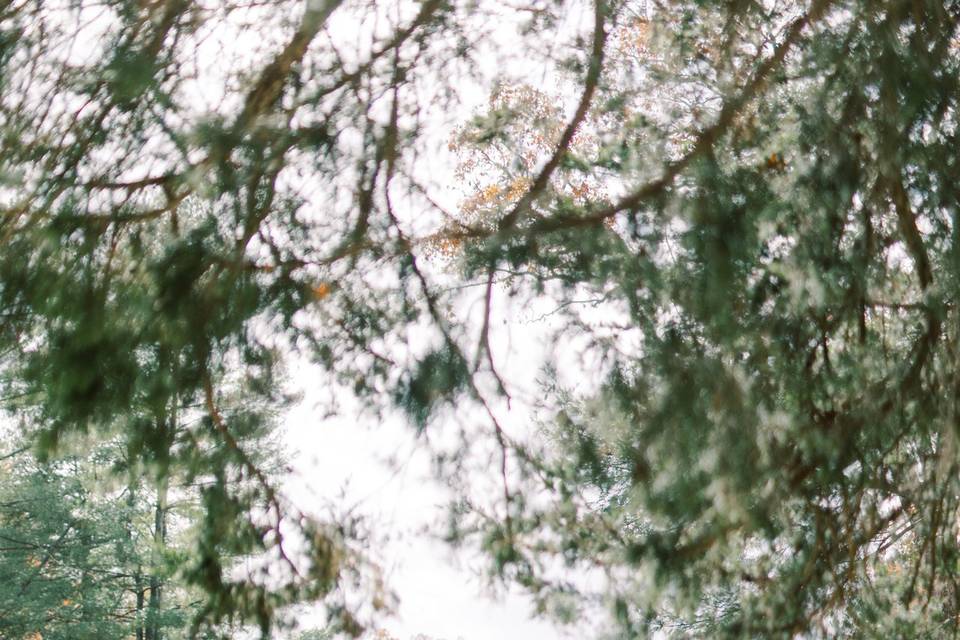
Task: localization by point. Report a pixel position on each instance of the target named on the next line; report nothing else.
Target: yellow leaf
(490, 194)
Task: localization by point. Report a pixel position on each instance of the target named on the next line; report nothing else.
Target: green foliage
(741, 473)
(438, 376)
(78, 559)
(742, 213)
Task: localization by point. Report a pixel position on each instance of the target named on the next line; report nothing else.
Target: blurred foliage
(755, 199)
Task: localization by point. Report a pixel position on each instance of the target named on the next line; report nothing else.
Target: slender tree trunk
(138, 589)
(138, 585)
(159, 540)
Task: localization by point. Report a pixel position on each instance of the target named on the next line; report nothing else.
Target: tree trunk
(159, 540)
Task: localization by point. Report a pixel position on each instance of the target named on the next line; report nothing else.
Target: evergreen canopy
(759, 199)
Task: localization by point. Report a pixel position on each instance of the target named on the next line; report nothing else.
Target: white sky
(437, 597)
(441, 593)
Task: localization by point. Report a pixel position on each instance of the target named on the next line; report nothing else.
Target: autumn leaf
(320, 291)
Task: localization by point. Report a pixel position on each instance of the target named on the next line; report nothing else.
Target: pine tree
(757, 195)
(70, 566)
(788, 270)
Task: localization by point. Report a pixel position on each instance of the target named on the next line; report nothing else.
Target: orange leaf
(321, 291)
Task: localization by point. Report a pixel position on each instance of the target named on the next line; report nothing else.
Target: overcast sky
(438, 598)
(441, 592)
